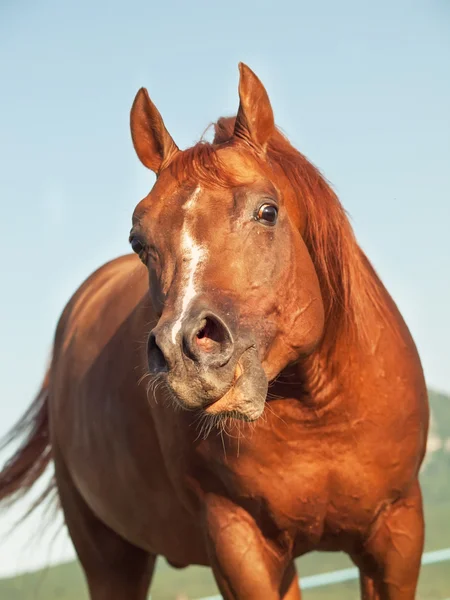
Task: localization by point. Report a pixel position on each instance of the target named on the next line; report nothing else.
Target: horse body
(330, 464)
(320, 467)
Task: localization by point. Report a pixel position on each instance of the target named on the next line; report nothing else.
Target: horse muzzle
(208, 364)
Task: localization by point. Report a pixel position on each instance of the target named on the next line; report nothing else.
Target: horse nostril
(156, 360)
(211, 335)
(207, 339)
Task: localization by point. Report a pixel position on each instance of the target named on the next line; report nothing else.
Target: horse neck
(348, 351)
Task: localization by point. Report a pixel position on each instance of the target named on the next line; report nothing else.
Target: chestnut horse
(247, 277)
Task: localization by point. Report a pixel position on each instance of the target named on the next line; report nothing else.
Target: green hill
(65, 582)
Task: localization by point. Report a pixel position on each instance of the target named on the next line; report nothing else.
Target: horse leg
(290, 588)
(367, 586)
(114, 568)
(246, 565)
(390, 562)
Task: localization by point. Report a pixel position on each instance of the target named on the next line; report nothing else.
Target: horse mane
(348, 281)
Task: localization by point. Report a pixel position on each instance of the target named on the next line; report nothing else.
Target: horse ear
(151, 140)
(254, 122)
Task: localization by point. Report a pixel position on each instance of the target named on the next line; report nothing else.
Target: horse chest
(304, 490)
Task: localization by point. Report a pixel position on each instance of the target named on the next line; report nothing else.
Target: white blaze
(192, 256)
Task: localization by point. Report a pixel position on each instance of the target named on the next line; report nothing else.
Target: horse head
(232, 280)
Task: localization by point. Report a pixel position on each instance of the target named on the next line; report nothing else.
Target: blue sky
(363, 89)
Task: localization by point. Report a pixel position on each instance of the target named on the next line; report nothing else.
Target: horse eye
(136, 245)
(268, 213)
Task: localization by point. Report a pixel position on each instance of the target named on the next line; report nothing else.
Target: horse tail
(33, 455)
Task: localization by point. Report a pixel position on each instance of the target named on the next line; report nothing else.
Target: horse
(238, 391)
